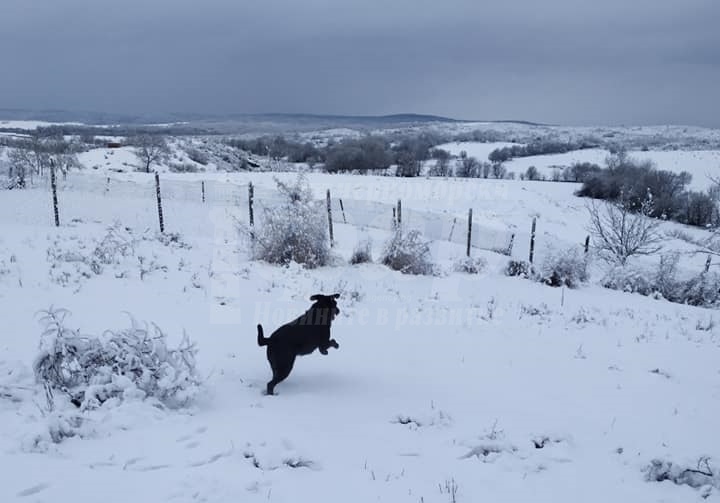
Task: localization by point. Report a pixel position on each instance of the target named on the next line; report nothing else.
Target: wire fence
(135, 200)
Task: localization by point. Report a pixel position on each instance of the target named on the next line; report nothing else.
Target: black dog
(301, 336)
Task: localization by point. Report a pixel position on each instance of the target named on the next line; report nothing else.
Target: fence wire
(436, 226)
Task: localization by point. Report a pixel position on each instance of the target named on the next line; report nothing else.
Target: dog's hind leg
(280, 372)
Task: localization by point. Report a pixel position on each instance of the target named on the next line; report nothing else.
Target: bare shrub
(665, 280)
(183, 167)
(701, 290)
(294, 231)
(198, 156)
(408, 253)
(518, 268)
(629, 279)
(132, 362)
(700, 476)
(362, 253)
(470, 265)
(75, 259)
(563, 268)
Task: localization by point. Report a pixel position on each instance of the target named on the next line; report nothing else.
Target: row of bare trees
(31, 158)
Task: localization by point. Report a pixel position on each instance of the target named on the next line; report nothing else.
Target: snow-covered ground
(448, 388)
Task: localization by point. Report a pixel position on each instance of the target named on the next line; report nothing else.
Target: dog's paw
(323, 351)
(334, 344)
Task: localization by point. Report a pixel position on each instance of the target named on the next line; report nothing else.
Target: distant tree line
(279, 147)
(541, 147)
(633, 182)
(363, 154)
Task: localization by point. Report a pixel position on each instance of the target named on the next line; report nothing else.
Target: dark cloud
(562, 61)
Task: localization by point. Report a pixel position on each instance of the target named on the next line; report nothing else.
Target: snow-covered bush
(408, 253)
(629, 279)
(170, 239)
(701, 475)
(197, 155)
(71, 261)
(362, 253)
(294, 231)
(700, 290)
(184, 167)
(665, 281)
(563, 268)
(518, 268)
(74, 258)
(135, 362)
(470, 265)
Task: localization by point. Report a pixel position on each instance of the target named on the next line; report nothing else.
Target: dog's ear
(315, 297)
(336, 296)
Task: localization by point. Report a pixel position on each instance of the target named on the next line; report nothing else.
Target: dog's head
(328, 302)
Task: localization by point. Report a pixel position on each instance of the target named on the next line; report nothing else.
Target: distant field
(701, 164)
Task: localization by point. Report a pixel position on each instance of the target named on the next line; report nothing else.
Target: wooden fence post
(330, 223)
(53, 185)
(469, 232)
(202, 190)
(707, 263)
(251, 198)
(107, 185)
(342, 208)
(452, 229)
(159, 202)
(587, 244)
(511, 244)
(532, 240)
(399, 213)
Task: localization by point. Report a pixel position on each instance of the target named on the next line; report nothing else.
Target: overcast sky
(557, 61)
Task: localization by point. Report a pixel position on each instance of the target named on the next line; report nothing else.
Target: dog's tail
(262, 341)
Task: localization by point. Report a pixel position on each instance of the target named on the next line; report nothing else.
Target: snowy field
(450, 388)
(701, 164)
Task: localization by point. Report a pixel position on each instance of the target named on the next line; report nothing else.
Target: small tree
(150, 149)
(619, 233)
(485, 169)
(532, 173)
(498, 170)
(408, 165)
(442, 163)
(468, 167)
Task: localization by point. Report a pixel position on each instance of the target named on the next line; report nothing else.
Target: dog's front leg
(332, 343)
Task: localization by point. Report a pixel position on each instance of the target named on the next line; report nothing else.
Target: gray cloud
(562, 61)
